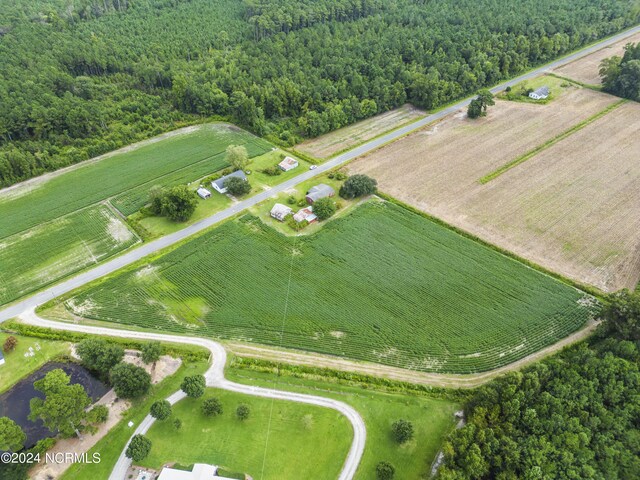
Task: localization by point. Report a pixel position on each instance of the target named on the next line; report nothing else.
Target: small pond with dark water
(15, 402)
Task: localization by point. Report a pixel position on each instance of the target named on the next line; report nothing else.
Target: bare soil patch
(586, 69)
(332, 143)
(573, 208)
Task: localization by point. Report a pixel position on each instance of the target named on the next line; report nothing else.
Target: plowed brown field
(586, 69)
(573, 208)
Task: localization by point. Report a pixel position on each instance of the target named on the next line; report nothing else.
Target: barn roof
(320, 191)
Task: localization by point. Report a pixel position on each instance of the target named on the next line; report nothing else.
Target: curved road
(215, 378)
(161, 243)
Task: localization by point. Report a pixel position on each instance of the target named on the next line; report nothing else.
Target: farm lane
(215, 378)
(164, 242)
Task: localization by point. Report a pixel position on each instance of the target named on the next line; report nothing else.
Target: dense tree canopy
(574, 416)
(82, 77)
(621, 76)
(99, 355)
(193, 386)
(11, 435)
(64, 404)
(139, 448)
(130, 381)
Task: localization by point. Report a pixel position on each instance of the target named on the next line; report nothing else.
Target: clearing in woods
(380, 284)
(572, 208)
(49, 252)
(586, 69)
(332, 143)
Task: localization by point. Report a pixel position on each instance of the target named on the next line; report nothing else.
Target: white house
(218, 185)
(204, 193)
(305, 214)
(1, 358)
(288, 164)
(540, 93)
(200, 472)
(280, 211)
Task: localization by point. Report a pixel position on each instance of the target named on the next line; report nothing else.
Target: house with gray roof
(540, 93)
(218, 185)
(1, 358)
(319, 191)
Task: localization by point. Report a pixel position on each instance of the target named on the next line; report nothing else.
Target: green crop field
(380, 284)
(44, 254)
(51, 197)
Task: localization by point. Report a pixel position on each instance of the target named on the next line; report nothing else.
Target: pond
(15, 402)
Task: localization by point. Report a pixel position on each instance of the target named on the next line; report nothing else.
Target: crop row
(93, 182)
(47, 253)
(381, 284)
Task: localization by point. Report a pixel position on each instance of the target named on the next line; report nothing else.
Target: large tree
(99, 355)
(160, 409)
(479, 105)
(237, 156)
(151, 352)
(622, 315)
(358, 185)
(324, 208)
(11, 435)
(130, 381)
(64, 404)
(139, 448)
(178, 203)
(237, 186)
(194, 385)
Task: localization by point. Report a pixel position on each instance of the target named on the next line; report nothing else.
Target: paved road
(215, 378)
(161, 243)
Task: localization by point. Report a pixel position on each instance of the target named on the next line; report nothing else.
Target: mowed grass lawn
(49, 252)
(18, 366)
(280, 440)
(432, 419)
(381, 284)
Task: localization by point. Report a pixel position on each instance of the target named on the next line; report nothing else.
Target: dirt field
(586, 69)
(328, 145)
(572, 208)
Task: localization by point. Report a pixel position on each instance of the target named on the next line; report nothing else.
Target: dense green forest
(82, 77)
(574, 416)
(621, 76)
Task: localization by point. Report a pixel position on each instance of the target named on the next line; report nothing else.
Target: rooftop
(238, 173)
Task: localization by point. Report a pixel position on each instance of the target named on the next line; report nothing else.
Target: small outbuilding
(204, 193)
(1, 358)
(200, 471)
(280, 212)
(218, 185)
(319, 191)
(287, 164)
(305, 214)
(540, 93)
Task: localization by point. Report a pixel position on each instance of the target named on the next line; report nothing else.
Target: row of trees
(83, 84)
(573, 416)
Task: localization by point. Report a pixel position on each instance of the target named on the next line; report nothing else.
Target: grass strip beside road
(532, 153)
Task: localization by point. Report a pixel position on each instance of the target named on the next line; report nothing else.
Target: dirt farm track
(573, 208)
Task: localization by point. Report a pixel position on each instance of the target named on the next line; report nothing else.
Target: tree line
(621, 75)
(573, 416)
(84, 77)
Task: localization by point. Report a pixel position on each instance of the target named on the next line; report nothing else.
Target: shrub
(160, 409)
(177, 424)
(151, 352)
(212, 407)
(291, 200)
(242, 412)
(302, 202)
(385, 471)
(193, 386)
(130, 381)
(402, 431)
(272, 171)
(358, 186)
(10, 344)
(237, 186)
(340, 176)
(296, 226)
(98, 414)
(138, 448)
(324, 208)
